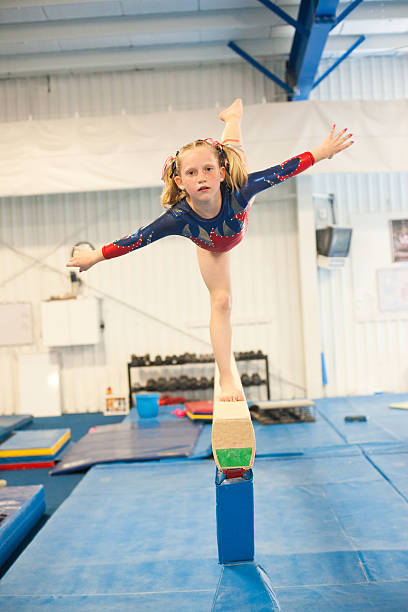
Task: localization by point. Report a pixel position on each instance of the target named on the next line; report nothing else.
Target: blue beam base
(235, 517)
(244, 587)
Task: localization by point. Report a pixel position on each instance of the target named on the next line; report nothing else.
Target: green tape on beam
(234, 457)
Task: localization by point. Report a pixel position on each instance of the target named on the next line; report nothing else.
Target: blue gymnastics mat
(331, 533)
(271, 440)
(392, 461)
(34, 444)
(20, 509)
(144, 440)
(383, 424)
(10, 422)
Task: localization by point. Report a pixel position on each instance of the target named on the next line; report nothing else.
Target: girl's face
(200, 174)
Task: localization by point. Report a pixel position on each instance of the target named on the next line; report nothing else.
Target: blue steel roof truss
(316, 18)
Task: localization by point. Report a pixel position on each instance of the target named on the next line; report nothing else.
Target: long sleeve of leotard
(165, 225)
(258, 181)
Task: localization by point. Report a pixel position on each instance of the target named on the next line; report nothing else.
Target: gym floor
(331, 525)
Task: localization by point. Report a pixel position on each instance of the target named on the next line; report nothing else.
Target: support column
(235, 517)
(309, 289)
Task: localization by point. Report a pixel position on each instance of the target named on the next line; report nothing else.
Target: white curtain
(104, 153)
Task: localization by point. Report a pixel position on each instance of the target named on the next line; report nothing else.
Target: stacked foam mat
(20, 509)
(331, 528)
(11, 422)
(32, 449)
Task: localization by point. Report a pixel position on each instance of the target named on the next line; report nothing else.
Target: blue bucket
(147, 405)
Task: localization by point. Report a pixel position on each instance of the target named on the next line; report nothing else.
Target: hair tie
(173, 165)
(220, 148)
(169, 163)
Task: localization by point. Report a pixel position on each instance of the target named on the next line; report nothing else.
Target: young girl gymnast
(208, 194)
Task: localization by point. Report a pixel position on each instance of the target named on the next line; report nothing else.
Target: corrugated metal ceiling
(40, 37)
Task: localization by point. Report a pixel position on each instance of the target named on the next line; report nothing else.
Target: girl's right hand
(332, 144)
(84, 259)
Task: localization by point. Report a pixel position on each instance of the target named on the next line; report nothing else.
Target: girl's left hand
(333, 144)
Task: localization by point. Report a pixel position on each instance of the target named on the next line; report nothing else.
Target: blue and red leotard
(221, 233)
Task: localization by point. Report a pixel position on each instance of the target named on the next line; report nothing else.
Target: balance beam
(233, 438)
(233, 443)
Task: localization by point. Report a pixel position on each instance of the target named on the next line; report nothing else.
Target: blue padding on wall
(10, 422)
(143, 536)
(20, 509)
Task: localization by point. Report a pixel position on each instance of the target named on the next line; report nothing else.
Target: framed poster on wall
(399, 239)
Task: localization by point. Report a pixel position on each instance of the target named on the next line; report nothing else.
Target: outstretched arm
(165, 225)
(258, 181)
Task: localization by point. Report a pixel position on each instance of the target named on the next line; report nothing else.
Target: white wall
(162, 280)
(153, 301)
(362, 356)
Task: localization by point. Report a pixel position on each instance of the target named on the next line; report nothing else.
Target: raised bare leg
(215, 271)
(231, 134)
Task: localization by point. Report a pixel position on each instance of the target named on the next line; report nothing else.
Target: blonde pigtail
(171, 193)
(236, 176)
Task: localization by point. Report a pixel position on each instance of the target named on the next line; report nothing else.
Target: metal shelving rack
(132, 366)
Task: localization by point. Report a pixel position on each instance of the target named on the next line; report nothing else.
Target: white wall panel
(154, 300)
(163, 280)
(361, 357)
(137, 91)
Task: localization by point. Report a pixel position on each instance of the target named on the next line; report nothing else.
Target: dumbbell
(256, 379)
(162, 384)
(173, 383)
(245, 379)
(203, 382)
(151, 384)
(183, 382)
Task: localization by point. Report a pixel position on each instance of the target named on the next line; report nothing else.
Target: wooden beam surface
(233, 438)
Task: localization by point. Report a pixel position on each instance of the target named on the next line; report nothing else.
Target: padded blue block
(26, 441)
(235, 519)
(10, 422)
(20, 508)
(244, 587)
